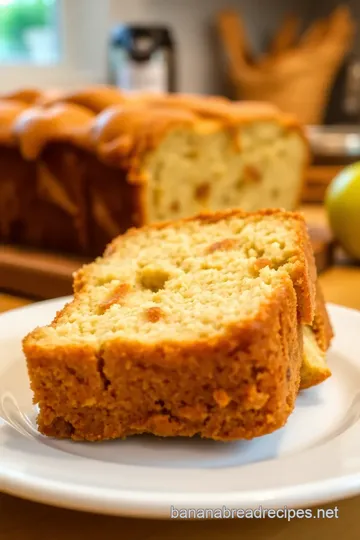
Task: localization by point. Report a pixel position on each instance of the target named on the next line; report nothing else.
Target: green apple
(342, 202)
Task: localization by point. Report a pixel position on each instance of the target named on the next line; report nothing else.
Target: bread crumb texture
(211, 166)
(184, 328)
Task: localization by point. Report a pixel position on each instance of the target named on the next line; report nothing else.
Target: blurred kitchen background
(302, 55)
(67, 40)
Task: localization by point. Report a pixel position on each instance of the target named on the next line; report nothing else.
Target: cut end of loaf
(198, 275)
(251, 166)
(181, 328)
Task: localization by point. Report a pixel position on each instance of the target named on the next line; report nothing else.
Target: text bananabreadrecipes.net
(257, 513)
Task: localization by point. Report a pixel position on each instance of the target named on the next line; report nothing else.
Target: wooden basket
(295, 75)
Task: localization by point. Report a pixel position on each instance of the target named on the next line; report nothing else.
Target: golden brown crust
(9, 112)
(214, 107)
(122, 135)
(322, 325)
(116, 143)
(146, 117)
(38, 126)
(194, 102)
(94, 98)
(29, 96)
(129, 388)
(247, 377)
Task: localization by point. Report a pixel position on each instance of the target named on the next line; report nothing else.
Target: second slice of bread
(184, 328)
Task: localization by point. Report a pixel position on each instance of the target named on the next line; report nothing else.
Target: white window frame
(83, 48)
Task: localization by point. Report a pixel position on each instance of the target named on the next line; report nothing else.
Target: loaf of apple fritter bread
(80, 168)
(187, 327)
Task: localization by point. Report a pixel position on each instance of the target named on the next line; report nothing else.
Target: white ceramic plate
(314, 459)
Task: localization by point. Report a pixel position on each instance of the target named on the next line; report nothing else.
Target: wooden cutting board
(323, 246)
(35, 273)
(43, 275)
(318, 179)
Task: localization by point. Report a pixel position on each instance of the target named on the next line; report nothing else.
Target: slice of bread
(317, 339)
(183, 328)
(187, 155)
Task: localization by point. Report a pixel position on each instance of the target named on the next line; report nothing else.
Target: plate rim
(128, 504)
(152, 504)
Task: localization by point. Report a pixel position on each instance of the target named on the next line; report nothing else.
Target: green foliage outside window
(18, 17)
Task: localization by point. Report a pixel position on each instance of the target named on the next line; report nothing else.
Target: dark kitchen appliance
(334, 145)
(142, 58)
(344, 99)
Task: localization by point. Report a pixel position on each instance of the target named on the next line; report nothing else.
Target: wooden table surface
(23, 520)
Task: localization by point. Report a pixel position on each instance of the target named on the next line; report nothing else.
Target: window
(53, 43)
(29, 32)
